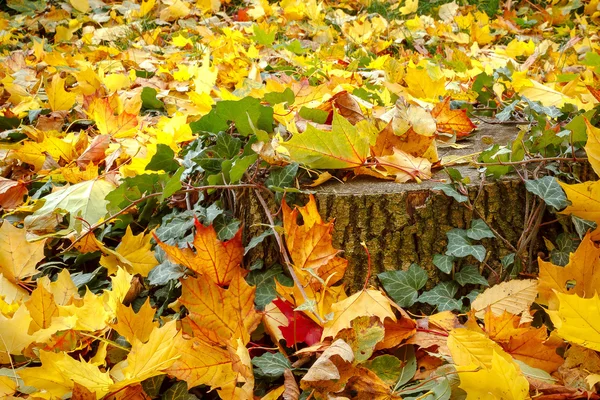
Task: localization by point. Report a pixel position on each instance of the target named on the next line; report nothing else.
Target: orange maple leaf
(112, 122)
(217, 260)
(452, 121)
(524, 342)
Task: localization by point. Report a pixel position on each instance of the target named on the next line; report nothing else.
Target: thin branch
(532, 160)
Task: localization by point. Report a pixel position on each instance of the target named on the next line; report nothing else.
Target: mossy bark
(404, 227)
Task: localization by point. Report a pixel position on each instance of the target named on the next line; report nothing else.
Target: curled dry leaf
(291, 392)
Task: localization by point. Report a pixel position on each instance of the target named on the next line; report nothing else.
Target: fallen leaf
(452, 121)
(58, 97)
(216, 260)
(405, 167)
(576, 319)
(514, 296)
(367, 302)
(18, 257)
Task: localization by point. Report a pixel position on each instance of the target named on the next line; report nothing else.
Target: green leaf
(265, 284)
(134, 188)
(582, 226)
(227, 146)
(266, 38)
(27, 6)
(346, 146)
(442, 296)
(226, 227)
(496, 154)
(149, 100)
(403, 286)
(469, 274)
(386, 367)
(443, 262)
(287, 96)
(163, 160)
(164, 272)
(271, 365)
(282, 177)
(450, 191)
(508, 260)
(406, 354)
(179, 391)
(479, 230)
(83, 201)
(152, 385)
(211, 122)
(256, 240)
(460, 246)
(314, 114)
(246, 113)
(172, 185)
(578, 129)
(548, 190)
(240, 166)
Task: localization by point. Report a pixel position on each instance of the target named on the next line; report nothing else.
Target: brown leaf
(82, 393)
(291, 392)
(11, 193)
(366, 385)
(95, 152)
(331, 370)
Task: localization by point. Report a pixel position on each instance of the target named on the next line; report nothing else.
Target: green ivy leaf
(164, 272)
(469, 274)
(163, 160)
(443, 262)
(450, 190)
(460, 246)
(403, 286)
(246, 113)
(548, 190)
(172, 185)
(271, 365)
(265, 284)
(582, 226)
(442, 296)
(179, 391)
(479, 230)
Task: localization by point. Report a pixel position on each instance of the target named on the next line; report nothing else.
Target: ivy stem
(532, 160)
(284, 253)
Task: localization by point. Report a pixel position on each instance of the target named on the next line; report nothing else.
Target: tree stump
(407, 223)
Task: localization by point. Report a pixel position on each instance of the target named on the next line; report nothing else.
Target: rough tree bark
(403, 224)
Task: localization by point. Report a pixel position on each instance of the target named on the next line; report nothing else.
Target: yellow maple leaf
(81, 5)
(8, 386)
(202, 364)
(422, 86)
(42, 308)
(133, 253)
(18, 257)
(59, 373)
(58, 97)
(148, 359)
(502, 380)
(409, 7)
(576, 319)
(133, 325)
(580, 276)
(36, 153)
(584, 201)
(63, 289)
(13, 335)
(111, 119)
(592, 146)
(514, 296)
(367, 302)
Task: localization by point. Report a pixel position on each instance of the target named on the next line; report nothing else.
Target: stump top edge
(366, 186)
